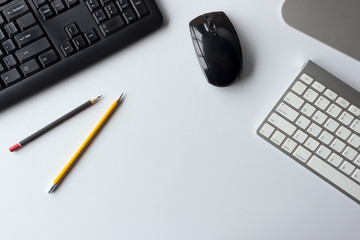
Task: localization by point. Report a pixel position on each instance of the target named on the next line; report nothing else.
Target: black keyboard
(43, 41)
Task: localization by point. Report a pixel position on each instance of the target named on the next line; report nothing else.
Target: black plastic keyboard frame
(67, 66)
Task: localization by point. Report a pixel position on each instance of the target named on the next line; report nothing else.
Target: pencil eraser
(15, 147)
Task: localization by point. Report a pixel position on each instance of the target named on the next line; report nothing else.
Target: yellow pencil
(68, 166)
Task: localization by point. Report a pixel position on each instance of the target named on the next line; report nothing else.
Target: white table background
(180, 159)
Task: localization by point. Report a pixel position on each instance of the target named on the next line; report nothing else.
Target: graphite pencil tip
(95, 100)
(52, 189)
(120, 98)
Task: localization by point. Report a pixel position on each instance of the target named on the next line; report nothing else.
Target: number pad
(113, 15)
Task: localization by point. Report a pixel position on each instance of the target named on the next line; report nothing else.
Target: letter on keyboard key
(294, 100)
(282, 124)
(335, 177)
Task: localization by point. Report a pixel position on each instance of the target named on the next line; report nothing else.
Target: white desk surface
(180, 159)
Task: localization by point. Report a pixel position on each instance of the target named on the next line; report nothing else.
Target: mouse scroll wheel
(210, 24)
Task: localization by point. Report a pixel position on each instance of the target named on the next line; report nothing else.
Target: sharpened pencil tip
(52, 189)
(95, 100)
(120, 98)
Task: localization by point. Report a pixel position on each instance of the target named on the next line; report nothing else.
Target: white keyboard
(316, 122)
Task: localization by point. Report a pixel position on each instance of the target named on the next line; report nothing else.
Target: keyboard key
(287, 112)
(58, 6)
(9, 61)
(356, 175)
(282, 124)
(343, 133)
(302, 154)
(11, 77)
(299, 88)
(356, 126)
(354, 140)
(308, 110)
(38, 3)
(330, 94)
(112, 26)
(319, 117)
(334, 110)
(314, 129)
(303, 122)
(294, 100)
(28, 36)
(306, 78)
(350, 153)
(267, 130)
(342, 102)
(357, 160)
(311, 95)
(46, 12)
(130, 16)
(311, 144)
(289, 145)
(111, 10)
(337, 145)
(99, 16)
(335, 177)
(335, 160)
(91, 36)
(71, 3)
(31, 50)
(123, 4)
(8, 46)
(72, 30)
(67, 49)
(79, 43)
(346, 118)
(354, 110)
(323, 152)
(326, 137)
(300, 136)
(318, 86)
(140, 8)
(15, 10)
(10, 29)
(331, 125)
(26, 21)
(278, 137)
(322, 103)
(347, 168)
(92, 5)
(29, 67)
(48, 58)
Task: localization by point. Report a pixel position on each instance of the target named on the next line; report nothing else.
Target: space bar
(335, 177)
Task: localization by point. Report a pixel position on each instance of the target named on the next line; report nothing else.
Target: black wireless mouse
(217, 47)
